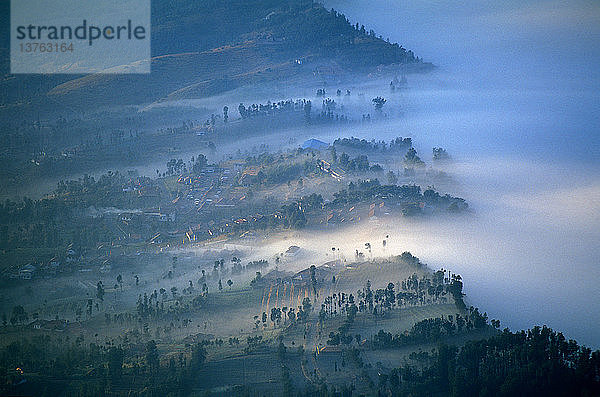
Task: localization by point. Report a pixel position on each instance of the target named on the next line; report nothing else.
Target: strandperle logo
(82, 32)
(80, 36)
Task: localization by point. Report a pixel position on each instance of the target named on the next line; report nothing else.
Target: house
(52, 267)
(27, 272)
(314, 144)
(49, 325)
(106, 268)
(330, 349)
(71, 255)
(322, 274)
(292, 250)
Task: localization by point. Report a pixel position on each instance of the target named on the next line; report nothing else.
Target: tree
(292, 315)
(313, 279)
(275, 315)
(152, 358)
(307, 109)
(378, 102)
(243, 111)
(115, 364)
(392, 178)
(225, 114)
(198, 357)
(411, 159)
(281, 350)
(440, 154)
(19, 315)
(200, 163)
(100, 291)
(344, 160)
(306, 308)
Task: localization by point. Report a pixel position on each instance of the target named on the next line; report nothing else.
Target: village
(194, 203)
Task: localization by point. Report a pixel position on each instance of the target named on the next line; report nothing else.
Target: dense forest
(539, 361)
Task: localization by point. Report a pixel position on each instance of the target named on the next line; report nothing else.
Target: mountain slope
(207, 47)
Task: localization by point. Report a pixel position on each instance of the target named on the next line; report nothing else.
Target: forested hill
(201, 48)
(298, 27)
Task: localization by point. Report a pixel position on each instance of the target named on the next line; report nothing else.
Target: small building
(49, 325)
(27, 272)
(105, 268)
(292, 251)
(314, 144)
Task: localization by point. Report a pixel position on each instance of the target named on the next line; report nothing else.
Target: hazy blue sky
(524, 42)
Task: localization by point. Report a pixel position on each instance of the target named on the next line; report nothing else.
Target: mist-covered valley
(526, 159)
(339, 214)
(515, 98)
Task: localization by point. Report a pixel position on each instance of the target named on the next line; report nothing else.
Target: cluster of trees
(327, 116)
(440, 154)
(370, 189)
(61, 218)
(178, 166)
(52, 147)
(292, 216)
(292, 315)
(238, 268)
(152, 306)
(49, 366)
(538, 362)
(360, 163)
(184, 128)
(411, 292)
(110, 189)
(18, 316)
(378, 102)
(432, 330)
(452, 204)
(398, 144)
(412, 160)
(281, 173)
(276, 170)
(272, 108)
(264, 158)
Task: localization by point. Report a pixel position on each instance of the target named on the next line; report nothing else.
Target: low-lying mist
(515, 101)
